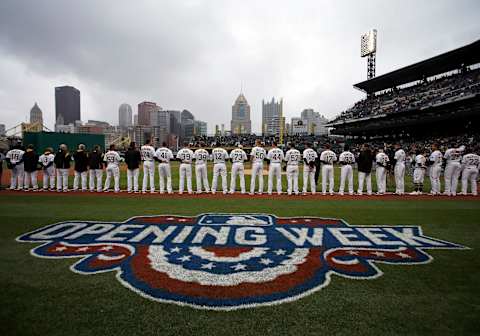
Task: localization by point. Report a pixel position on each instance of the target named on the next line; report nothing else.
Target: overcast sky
(196, 54)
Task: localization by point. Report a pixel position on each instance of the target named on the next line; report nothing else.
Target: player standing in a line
(62, 165)
(471, 165)
(435, 162)
(46, 161)
(365, 162)
(219, 156)
(453, 156)
(419, 173)
(293, 158)
(133, 158)
(81, 168)
(163, 155)
(275, 157)
(381, 171)
(346, 159)
(310, 157)
(201, 177)
(257, 155)
(95, 163)
(148, 154)
(237, 156)
(399, 169)
(327, 158)
(185, 156)
(30, 162)
(112, 158)
(14, 159)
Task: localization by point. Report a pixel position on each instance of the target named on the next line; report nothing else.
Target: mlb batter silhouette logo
(231, 261)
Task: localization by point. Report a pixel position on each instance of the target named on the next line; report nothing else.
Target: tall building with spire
(241, 123)
(36, 114)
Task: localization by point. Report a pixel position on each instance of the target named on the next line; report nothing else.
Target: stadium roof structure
(451, 60)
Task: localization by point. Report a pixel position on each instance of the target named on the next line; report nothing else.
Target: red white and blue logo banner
(231, 261)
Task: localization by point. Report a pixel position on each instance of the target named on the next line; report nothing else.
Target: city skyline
(307, 53)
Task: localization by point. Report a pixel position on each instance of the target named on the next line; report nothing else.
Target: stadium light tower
(368, 48)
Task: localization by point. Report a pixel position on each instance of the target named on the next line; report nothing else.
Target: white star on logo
(182, 220)
(61, 248)
(184, 258)
(308, 220)
(106, 248)
(175, 249)
(239, 267)
(403, 255)
(293, 221)
(83, 249)
(209, 266)
(170, 218)
(265, 261)
(353, 252)
(378, 254)
(279, 252)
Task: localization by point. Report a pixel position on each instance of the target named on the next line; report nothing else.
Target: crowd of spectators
(425, 93)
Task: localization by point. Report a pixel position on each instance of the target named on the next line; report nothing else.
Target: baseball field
(442, 297)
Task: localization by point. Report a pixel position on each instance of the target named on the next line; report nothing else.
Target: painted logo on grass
(231, 261)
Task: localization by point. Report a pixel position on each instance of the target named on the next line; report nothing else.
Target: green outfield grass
(43, 297)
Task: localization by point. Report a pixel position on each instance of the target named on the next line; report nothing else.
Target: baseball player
(346, 159)
(257, 155)
(453, 157)
(148, 155)
(30, 165)
(112, 158)
(95, 163)
(163, 155)
(310, 157)
(471, 165)
(62, 166)
(219, 156)
(399, 169)
(185, 156)
(435, 162)
(14, 160)
(238, 156)
(275, 157)
(133, 158)
(419, 173)
(46, 161)
(81, 168)
(327, 158)
(293, 158)
(382, 161)
(364, 163)
(201, 177)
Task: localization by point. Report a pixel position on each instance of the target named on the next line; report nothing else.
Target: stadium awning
(451, 60)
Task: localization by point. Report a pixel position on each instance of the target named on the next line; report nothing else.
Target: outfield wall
(42, 140)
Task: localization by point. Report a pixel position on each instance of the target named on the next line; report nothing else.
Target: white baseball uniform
(471, 165)
(399, 171)
(328, 158)
(237, 155)
(257, 154)
(347, 159)
(293, 158)
(185, 155)
(420, 168)
(201, 175)
(436, 159)
(112, 158)
(381, 172)
(309, 155)
(46, 160)
(452, 170)
(148, 153)
(275, 155)
(219, 156)
(164, 155)
(16, 156)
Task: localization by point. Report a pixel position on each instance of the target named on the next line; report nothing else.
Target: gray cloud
(195, 54)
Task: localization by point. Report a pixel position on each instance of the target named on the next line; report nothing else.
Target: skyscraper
(273, 122)
(36, 114)
(125, 115)
(241, 123)
(67, 105)
(188, 124)
(144, 110)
